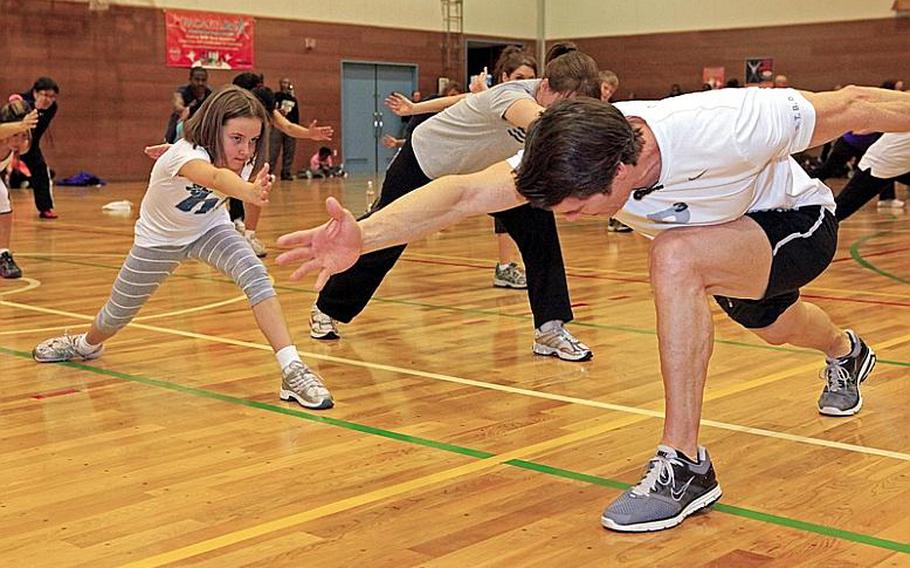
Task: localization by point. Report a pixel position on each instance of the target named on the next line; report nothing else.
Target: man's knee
(672, 257)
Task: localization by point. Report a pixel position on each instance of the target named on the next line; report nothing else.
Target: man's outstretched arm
(335, 246)
(858, 108)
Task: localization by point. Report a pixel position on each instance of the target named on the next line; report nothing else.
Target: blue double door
(364, 116)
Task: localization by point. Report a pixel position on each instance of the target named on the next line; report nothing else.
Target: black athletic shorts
(803, 243)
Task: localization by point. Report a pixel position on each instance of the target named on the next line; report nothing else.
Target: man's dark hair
(574, 150)
(248, 80)
(324, 152)
(197, 69)
(46, 83)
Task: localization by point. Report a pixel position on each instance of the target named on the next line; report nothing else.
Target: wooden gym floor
(451, 444)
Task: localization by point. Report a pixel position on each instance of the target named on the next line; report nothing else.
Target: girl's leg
(270, 320)
(142, 272)
(225, 250)
(229, 253)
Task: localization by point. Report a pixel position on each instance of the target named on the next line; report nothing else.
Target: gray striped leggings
(146, 268)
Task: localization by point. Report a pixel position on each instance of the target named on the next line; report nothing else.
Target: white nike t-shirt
(175, 211)
(889, 156)
(724, 153)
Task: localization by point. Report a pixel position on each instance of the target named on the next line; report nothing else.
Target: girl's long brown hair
(204, 128)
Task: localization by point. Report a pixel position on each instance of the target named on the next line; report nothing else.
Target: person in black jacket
(43, 98)
(286, 104)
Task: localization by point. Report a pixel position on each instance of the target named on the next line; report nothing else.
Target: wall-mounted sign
(210, 40)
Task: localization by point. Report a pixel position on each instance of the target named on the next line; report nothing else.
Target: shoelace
(64, 343)
(835, 375)
(300, 376)
(564, 335)
(511, 271)
(660, 470)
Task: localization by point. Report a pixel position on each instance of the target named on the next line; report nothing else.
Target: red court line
(880, 253)
(857, 301)
(597, 277)
(484, 266)
(64, 392)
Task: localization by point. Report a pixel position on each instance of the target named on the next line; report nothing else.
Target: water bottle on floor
(371, 196)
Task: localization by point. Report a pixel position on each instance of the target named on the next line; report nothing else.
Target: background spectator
(187, 99)
(43, 98)
(286, 104)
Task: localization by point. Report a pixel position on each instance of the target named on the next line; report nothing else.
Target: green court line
(854, 252)
(479, 454)
(488, 313)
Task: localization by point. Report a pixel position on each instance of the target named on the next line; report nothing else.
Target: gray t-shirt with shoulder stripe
(472, 134)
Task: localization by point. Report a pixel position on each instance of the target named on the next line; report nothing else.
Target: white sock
(3, 250)
(249, 234)
(504, 266)
(552, 324)
(287, 355)
(83, 346)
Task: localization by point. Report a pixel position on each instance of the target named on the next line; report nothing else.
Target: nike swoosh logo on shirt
(703, 172)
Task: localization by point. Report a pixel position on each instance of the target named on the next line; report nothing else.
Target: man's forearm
(865, 109)
(440, 204)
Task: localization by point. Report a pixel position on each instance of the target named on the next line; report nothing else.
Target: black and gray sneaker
(8, 266)
(843, 376)
(672, 489)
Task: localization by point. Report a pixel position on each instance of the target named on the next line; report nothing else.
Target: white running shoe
(257, 246)
(552, 338)
(890, 204)
(321, 325)
(63, 348)
(300, 383)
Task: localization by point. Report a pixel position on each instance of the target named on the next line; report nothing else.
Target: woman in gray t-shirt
(477, 132)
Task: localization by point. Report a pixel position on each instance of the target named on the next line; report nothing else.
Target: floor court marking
(643, 413)
(500, 314)
(854, 252)
(580, 271)
(487, 461)
(483, 464)
(203, 307)
(30, 284)
(810, 288)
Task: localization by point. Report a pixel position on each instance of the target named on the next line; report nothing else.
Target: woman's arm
(30, 120)
(523, 112)
(228, 183)
(313, 132)
(403, 106)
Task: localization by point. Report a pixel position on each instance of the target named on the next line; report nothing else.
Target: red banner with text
(210, 40)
